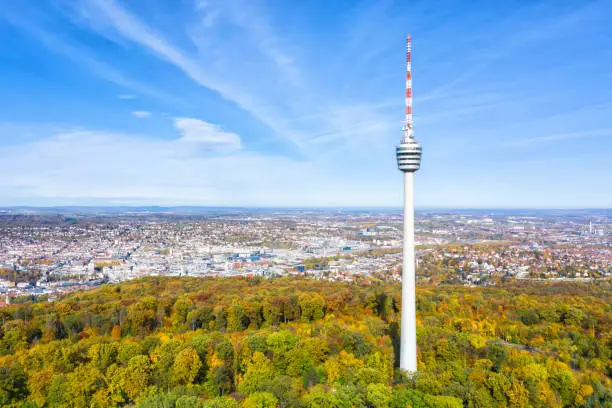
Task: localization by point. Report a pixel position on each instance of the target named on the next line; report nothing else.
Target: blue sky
(300, 103)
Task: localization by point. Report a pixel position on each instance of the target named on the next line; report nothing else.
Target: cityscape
(277, 204)
(43, 253)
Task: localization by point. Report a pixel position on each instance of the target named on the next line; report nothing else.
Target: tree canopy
(188, 342)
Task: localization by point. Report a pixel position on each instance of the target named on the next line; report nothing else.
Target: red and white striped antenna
(408, 125)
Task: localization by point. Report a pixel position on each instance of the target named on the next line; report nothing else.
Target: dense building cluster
(54, 253)
(479, 264)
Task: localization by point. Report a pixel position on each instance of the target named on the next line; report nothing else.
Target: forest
(290, 342)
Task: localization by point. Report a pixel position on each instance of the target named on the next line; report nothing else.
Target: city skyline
(275, 105)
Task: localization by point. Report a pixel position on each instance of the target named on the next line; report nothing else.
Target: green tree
(282, 341)
(81, 385)
(186, 366)
(258, 375)
(260, 400)
(180, 310)
(498, 354)
(187, 401)
(102, 355)
(220, 322)
(38, 383)
(127, 351)
(379, 395)
(312, 307)
(562, 381)
(13, 383)
(57, 393)
(236, 317)
(137, 376)
(220, 402)
(200, 317)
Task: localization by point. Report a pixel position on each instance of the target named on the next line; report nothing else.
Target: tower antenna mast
(408, 131)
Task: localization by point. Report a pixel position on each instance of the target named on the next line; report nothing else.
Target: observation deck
(408, 154)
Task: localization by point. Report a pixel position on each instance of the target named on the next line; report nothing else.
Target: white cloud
(141, 114)
(207, 134)
(61, 169)
(133, 29)
(284, 87)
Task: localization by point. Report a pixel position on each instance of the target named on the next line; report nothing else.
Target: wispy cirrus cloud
(259, 31)
(262, 88)
(558, 137)
(80, 55)
(141, 114)
(494, 44)
(132, 28)
(272, 101)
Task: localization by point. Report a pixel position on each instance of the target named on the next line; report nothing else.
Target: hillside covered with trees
(216, 343)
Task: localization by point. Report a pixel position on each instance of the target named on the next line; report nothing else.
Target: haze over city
(238, 103)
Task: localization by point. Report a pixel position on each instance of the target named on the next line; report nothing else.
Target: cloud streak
(295, 105)
(558, 137)
(526, 32)
(162, 172)
(267, 99)
(206, 134)
(133, 29)
(258, 29)
(141, 114)
(78, 54)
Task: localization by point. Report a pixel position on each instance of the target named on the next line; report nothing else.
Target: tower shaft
(408, 346)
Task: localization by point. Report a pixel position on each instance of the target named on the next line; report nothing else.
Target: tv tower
(408, 154)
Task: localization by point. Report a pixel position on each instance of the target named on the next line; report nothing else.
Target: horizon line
(399, 208)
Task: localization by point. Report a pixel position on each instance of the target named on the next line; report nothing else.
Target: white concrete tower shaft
(408, 154)
(408, 343)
